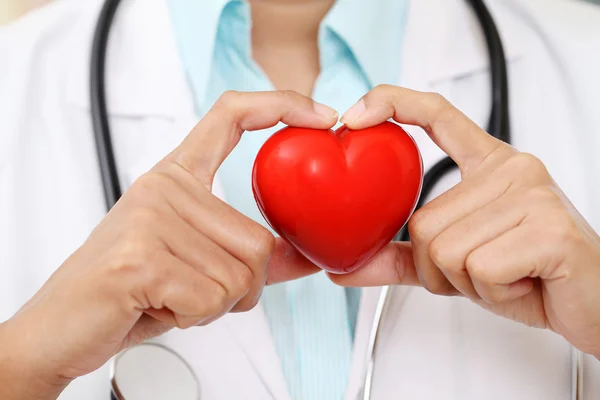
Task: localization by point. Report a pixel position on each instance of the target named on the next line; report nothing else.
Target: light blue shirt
(312, 320)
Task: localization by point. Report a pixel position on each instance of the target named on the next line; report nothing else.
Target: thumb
(451, 130)
(394, 265)
(215, 136)
(288, 264)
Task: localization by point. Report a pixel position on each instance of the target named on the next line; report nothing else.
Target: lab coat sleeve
(582, 55)
(581, 52)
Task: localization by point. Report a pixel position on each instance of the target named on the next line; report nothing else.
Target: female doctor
(185, 246)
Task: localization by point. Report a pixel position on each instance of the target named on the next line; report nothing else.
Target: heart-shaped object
(338, 196)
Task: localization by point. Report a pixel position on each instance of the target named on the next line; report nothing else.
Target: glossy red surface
(338, 197)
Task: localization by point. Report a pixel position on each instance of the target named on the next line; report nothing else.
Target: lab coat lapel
(364, 327)
(253, 335)
(141, 60)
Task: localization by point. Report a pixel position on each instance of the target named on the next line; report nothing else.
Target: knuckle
(490, 294)
(286, 95)
(263, 245)
(153, 278)
(436, 99)
(246, 305)
(291, 99)
(529, 160)
(381, 92)
(477, 268)
(440, 287)
(152, 186)
(570, 234)
(217, 301)
(558, 225)
(241, 282)
(229, 99)
(253, 302)
(565, 231)
(185, 322)
(439, 253)
(144, 186)
(383, 88)
(135, 269)
(441, 110)
(528, 165)
(418, 226)
(438, 103)
(133, 254)
(546, 195)
(541, 195)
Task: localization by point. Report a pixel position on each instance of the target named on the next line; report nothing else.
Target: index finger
(215, 136)
(451, 130)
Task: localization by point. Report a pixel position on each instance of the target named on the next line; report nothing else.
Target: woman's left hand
(506, 236)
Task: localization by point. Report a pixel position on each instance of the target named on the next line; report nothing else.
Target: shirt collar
(374, 34)
(195, 24)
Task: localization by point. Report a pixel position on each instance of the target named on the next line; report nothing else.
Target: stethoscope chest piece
(152, 372)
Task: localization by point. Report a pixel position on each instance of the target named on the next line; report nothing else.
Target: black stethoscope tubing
(498, 125)
(100, 121)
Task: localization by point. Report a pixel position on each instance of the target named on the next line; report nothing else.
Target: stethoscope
(139, 373)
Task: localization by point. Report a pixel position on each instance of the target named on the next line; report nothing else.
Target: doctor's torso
(433, 348)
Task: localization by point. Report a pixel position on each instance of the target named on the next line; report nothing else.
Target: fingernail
(326, 111)
(354, 112)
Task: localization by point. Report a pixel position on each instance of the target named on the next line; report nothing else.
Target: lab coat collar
(143, 70)
(443, 41)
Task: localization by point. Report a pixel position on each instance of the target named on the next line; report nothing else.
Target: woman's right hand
(169, 254)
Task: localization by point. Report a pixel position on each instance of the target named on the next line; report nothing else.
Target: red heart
(338, 197)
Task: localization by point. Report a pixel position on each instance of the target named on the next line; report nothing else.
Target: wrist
(21, 377)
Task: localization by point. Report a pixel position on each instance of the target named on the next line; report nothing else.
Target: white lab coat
(431, 347)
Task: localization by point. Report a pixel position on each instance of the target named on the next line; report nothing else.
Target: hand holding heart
(505, 237)
(169, 254)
